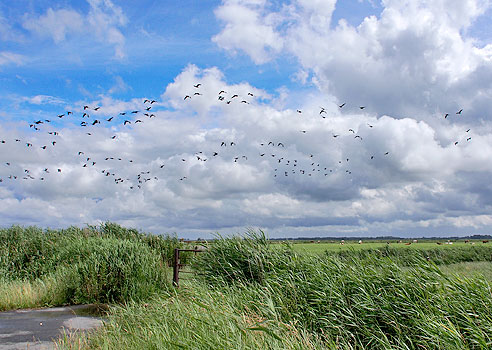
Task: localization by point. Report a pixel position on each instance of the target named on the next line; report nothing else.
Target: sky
(304, 118)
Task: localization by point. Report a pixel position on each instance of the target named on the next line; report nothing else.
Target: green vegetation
(107, 264)
(251, 294)
(405, 256)
(359, 299)
(192, 318)
(322, 247)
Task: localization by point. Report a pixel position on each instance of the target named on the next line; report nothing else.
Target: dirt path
(36, 328)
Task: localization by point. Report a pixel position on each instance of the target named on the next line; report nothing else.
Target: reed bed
(106, 264)
(355, 302)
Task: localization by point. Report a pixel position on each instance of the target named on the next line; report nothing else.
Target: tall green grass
(194, 318)
(354, 301)
(106, 264)
(404, 256)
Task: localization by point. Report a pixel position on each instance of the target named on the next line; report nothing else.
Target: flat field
(319, 248)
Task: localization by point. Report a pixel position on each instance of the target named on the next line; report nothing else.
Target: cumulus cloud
(248, 27)
(366, 150)
(204, 164)
(413, 58)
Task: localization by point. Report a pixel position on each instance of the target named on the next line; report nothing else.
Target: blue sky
(408, 63)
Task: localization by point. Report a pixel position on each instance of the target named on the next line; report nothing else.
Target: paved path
(36, 328)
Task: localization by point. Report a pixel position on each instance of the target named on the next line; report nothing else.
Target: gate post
(176, 268)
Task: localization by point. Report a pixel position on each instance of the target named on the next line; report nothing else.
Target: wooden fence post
(176, 267)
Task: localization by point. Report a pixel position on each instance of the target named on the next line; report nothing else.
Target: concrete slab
(37, 328)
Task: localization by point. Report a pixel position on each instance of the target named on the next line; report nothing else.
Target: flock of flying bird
(273, 150)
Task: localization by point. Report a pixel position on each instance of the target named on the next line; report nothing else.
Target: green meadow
(250, 293)
(323, 246)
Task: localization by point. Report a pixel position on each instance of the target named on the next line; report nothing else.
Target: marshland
(247, 292)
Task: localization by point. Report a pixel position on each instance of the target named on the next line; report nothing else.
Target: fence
(177, 265)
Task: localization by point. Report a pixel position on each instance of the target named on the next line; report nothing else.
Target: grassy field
(479, 269)
(251, 294)
(318, 248)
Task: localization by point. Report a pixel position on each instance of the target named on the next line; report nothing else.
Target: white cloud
(103, 22)
(212, 162)
(7, 57)
(305, 185)
(119, 86)
(248, 28)
(413, 59)
(7, 33)
(44, 99)
(56, 24)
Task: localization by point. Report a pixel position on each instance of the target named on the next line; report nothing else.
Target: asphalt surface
(36, 329)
